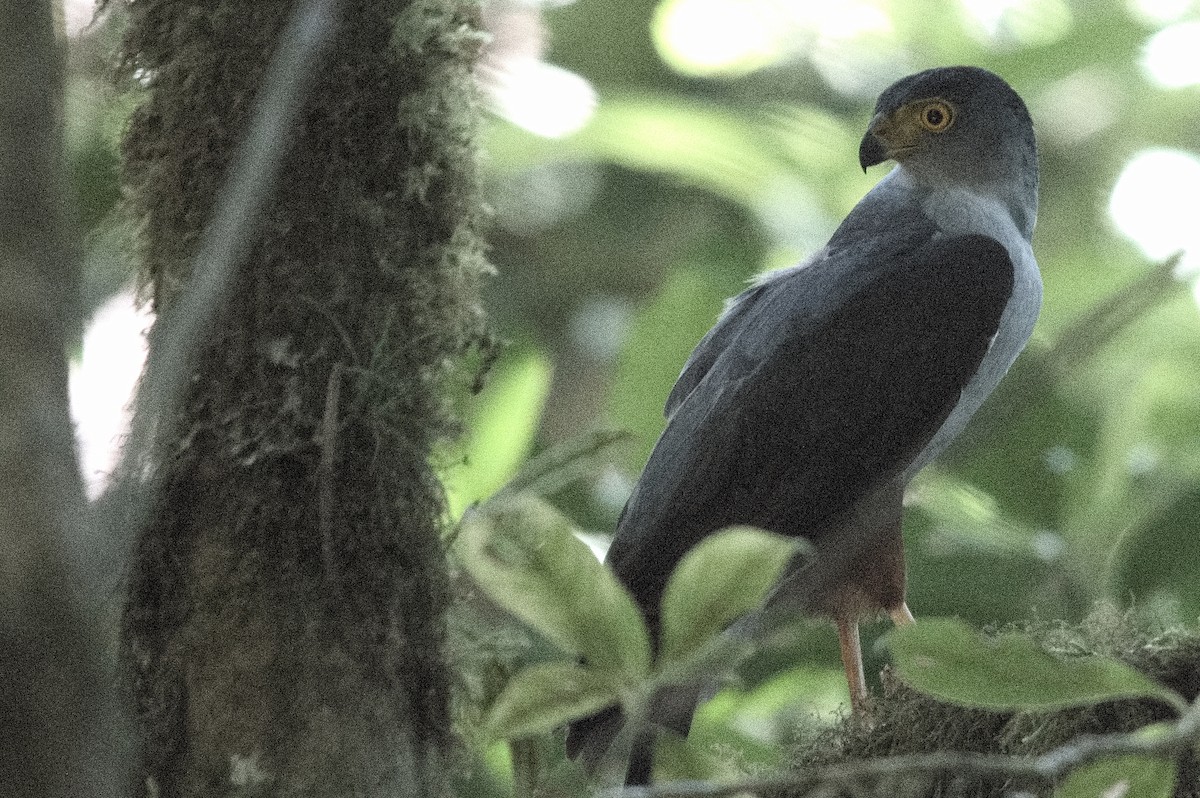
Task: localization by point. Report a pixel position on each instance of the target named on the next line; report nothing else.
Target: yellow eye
(935, 116)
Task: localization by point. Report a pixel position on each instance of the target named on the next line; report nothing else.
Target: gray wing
(878, 229)
(824, 286)
(816, 386)
(714, 343)
(823, 384)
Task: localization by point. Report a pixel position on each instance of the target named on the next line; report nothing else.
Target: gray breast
(958, 213)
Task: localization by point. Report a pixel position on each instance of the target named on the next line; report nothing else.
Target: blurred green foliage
(616, 246)
(1032, 685)
(1078, 481)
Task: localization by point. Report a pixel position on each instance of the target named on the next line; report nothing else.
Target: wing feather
(810, 402)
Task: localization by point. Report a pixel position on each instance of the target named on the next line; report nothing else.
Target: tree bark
(284, 622)
(57, 721)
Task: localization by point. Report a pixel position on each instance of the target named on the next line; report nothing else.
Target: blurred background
(643, 160)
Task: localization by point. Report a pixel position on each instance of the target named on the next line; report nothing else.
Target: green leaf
(557, 467)
(669, 325)
(1158, 556)
(1121, 777)
(543, 697)
(947, 659)
(722, 578)
(504, 420)
(525, 556)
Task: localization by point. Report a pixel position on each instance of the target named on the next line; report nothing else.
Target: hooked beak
(887, 137)
(872, 150)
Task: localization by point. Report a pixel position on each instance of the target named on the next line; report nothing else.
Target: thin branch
(1045, 769)
(845, 773)
(1104, 321)
(557, 467)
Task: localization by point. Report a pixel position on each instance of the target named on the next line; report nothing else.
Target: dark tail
(588, 740)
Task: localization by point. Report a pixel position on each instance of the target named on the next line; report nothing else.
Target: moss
(356, 304)
(907, 722)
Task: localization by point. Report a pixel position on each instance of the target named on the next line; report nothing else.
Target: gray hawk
(825, 387)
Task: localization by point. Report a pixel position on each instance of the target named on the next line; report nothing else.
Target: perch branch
(1044, 769)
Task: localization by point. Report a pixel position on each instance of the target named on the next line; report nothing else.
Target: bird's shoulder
(961, 211)
(874, 250)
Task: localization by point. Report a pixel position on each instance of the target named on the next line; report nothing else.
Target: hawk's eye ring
(936, 116)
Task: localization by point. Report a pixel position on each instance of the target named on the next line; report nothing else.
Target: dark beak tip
(871, 151)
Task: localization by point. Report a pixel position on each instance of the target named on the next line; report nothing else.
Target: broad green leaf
(525, 556)
(947, 659)
(1121, 777)
(542, 697)
(722, 578)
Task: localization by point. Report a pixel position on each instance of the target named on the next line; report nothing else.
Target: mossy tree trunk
(284, 622)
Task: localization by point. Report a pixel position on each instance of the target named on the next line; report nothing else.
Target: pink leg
(852, 663)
